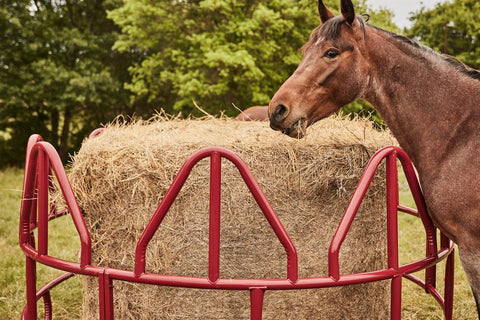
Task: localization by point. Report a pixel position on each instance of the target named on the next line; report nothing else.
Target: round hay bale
(121, 175)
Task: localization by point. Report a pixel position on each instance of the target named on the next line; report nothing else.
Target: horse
(430, 102)
(256, 113)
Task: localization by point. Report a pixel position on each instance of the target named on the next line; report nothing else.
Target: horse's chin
(298, 129)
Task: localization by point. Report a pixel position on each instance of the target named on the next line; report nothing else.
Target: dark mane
(459, 65)
(454, 62)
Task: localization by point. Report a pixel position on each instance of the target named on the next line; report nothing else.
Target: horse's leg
(471, 264)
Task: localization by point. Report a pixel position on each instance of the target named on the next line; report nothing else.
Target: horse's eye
(331, 53)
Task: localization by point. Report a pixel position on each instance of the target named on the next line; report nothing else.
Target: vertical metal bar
(392, 234)
(27, 219)
(392, 210)
(214, 225)
(449, 285)
(105, 291)
(101, 296)
(396, 298)
(42, 189)
(31, 287)
(256, 303)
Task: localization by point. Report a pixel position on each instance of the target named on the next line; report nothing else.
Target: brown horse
(256, 113)
(430, 102)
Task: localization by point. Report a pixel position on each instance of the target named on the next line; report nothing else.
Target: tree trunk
(55, 121)
(63, 147)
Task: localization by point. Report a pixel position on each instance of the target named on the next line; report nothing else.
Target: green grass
(67, 297)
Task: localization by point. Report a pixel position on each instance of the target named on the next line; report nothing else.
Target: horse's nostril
(280, 110)
(277, 116)
(279, 113)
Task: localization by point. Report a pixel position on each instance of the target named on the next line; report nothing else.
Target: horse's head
(332, 73)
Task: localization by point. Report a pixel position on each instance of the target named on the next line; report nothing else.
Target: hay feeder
(116, 282)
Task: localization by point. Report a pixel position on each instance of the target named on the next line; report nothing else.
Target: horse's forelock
(328, 31)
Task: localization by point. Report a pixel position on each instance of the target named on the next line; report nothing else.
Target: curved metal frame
(35, 213)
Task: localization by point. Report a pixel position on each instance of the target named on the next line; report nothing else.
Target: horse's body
(256, 113)
(430, 102)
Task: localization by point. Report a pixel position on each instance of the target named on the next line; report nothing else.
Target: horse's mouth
(297, 129)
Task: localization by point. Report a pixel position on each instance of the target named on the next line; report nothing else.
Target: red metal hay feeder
(36, 211)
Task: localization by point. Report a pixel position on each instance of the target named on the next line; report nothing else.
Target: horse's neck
(427, 104)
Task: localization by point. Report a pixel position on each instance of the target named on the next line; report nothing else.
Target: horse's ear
(325, 14)
(347, 11)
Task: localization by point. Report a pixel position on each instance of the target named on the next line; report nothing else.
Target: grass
(67, 297)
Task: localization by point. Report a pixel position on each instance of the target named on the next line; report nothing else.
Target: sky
(402, 8)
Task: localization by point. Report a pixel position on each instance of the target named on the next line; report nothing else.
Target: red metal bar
(31, 287)
(29, 206)
(449, 286)
(449, 277)
(214, 225)
(43, 188)
(396, 298)
(392, 210)
(95, 133)
(105, 293)
(392, 233)
(256, 303)
(408, 210)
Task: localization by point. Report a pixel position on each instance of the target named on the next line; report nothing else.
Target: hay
(120, 177)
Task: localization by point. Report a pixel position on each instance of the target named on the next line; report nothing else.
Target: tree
(216, 52)
(60, 77)
(458, 21)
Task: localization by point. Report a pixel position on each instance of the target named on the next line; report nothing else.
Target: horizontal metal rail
(42, 161)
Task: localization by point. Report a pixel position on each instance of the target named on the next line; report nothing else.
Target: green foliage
(461, 21)
(216, 52)
(60, 77)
